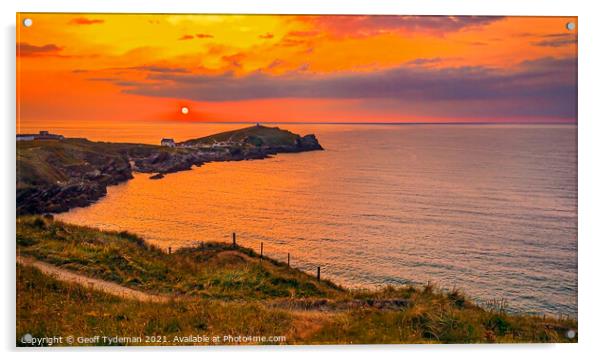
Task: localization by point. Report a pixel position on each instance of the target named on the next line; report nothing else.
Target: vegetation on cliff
(225, 289)
(272, 138)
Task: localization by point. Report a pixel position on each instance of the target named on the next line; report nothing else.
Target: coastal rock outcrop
(308, 143)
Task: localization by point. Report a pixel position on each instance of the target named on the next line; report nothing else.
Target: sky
(103, 68)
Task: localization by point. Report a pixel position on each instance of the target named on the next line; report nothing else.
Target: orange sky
(100, 67)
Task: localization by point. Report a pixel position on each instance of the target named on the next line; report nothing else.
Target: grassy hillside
(270, 136)
(213, 271)
(47, 307)
(37, 160)
(220, 289)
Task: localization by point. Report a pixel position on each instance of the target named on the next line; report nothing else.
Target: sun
(184, 110)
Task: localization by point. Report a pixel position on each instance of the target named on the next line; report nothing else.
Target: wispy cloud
(369, 25)
(303, 33)
(85, 21)
(198, 36)
(26, 49)
(266, 36)
(425, 61)
(557, 40)
(158, 69)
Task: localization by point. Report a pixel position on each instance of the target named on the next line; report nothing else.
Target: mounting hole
(27, 22)
(571, 334)
(570, 26)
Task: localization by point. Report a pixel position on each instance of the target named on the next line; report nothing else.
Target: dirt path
(96, 284)
(298, 306)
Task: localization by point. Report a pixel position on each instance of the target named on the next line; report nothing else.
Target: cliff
(57, 175)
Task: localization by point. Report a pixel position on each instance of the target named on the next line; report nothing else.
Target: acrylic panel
(411, 179)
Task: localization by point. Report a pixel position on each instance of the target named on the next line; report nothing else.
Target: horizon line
(381, 123)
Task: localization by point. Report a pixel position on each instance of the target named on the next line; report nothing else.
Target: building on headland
(168, 142)
(42, 135)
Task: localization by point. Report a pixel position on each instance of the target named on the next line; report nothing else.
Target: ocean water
(490, 209)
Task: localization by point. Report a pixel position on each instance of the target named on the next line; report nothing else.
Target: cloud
(124, 83)
(106, 79)
(117, 73)
(158, 69)
(545, 87)
(266, 36)
(419, 83)
(557, 40)
(85, 21)
(198, 36)
(424, 61)
(26, 49)
(299, 39)
(347, 25)
(303, 33)
(290, 42)
(274, 64)
(235, 60)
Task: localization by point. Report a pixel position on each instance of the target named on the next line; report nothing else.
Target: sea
(490, 209)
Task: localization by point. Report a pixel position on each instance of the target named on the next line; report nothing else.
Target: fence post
(318, 273)
(169, 250)
(261, 251)
(288, 259)
(234, 239)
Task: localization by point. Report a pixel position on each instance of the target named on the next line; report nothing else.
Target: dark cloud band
(545, 87)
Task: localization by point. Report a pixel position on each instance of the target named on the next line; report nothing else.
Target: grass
(47, 307)
(437, 317)
(228, 290)
(217, 271)
(270, 136)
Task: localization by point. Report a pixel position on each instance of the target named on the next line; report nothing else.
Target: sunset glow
(233, 180)
(229, 68)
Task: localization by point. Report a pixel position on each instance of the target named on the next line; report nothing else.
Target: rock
(309, 142)
(93, 174)
(157, 176)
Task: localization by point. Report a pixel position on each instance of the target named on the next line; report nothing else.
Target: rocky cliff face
(165, 163)
(85, 184)
(309, 142)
